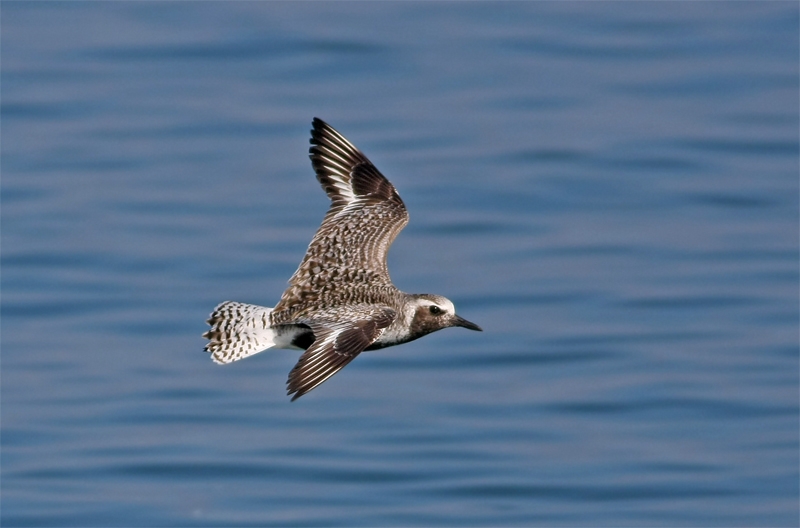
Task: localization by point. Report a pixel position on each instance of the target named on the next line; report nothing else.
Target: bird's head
(434, 312)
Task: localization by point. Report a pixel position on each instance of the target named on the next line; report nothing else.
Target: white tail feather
(238, 330)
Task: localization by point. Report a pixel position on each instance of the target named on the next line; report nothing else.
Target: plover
(340, 301)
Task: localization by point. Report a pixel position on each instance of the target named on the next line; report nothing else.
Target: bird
(341, 300)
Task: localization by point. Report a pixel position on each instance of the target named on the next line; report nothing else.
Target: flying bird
(340, 301)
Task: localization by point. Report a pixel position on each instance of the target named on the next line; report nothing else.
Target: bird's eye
(435, 310)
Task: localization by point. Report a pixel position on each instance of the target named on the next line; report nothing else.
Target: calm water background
(609, 189)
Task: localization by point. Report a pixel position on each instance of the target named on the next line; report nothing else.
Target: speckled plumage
(341, 300)
(346, 260)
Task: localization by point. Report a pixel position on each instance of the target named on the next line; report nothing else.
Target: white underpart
(397, 331)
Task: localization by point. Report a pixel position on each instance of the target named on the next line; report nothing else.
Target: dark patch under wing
(336, 344)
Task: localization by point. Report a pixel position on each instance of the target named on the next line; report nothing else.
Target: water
(609, 189)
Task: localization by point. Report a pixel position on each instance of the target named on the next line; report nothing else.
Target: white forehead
(446, 305)
(442, 302)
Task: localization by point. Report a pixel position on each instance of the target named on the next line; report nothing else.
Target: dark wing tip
(343, 170)
(324, 134)
(317, 128)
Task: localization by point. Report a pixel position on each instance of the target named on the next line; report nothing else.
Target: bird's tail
(238, 330)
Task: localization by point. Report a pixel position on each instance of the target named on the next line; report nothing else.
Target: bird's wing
(365, 216)
(339, 338)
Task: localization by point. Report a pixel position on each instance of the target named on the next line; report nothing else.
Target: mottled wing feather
(351, 181)
(346, 260)
(339, 338)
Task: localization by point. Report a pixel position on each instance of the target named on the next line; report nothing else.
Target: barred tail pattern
(238, 330)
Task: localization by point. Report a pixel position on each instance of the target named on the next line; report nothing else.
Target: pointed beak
(459, 321)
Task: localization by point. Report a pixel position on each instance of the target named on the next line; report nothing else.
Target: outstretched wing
(337, 342)
(350, 247)
(348, 177)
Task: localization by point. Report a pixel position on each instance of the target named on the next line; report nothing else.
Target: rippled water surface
(609, 189)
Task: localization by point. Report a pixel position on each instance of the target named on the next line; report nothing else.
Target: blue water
(609, 189)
